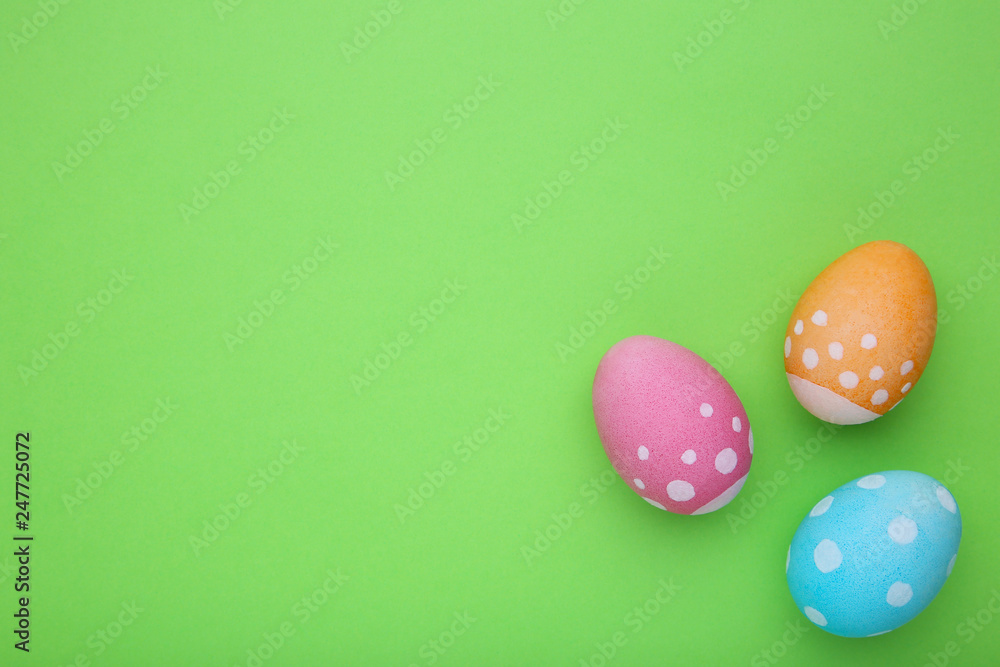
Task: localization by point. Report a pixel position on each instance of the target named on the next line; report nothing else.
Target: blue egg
(872, 554)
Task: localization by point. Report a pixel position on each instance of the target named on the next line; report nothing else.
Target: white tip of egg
(723, 498)
(826, 405)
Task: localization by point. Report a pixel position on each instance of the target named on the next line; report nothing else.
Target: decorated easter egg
(861, 334)
(671, 425)
(872, 554)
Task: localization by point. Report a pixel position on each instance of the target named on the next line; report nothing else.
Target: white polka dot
(868, 341)
(638, 482)
(951, 565)
(653, 503)
(798, 327)
(680, 491)
(788, 346)
(788, 558)
(827, 556)
(848, 380)
(819, 318)
(737, 424)
(810, 358)
(751, 441)
(906, 387)
(836, 351)
(902, 530)
(706, 410)
(880, 397)
(946, 499)
(871, 481)
(814, 616)
(821, 507)
(643, 453)
(689, 457)
(906, 367)
(725, 461)
(876, 373)
(899, 594)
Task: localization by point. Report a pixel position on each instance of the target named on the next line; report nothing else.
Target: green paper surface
(303, 302)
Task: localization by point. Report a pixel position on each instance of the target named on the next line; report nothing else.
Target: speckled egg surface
(673, 428)
(872, 554)
(862, 333)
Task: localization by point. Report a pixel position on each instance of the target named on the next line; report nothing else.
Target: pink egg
(672, 426)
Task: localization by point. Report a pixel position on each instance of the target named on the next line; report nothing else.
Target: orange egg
(862, 333)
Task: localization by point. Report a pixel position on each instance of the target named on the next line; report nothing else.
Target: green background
(523, 289)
